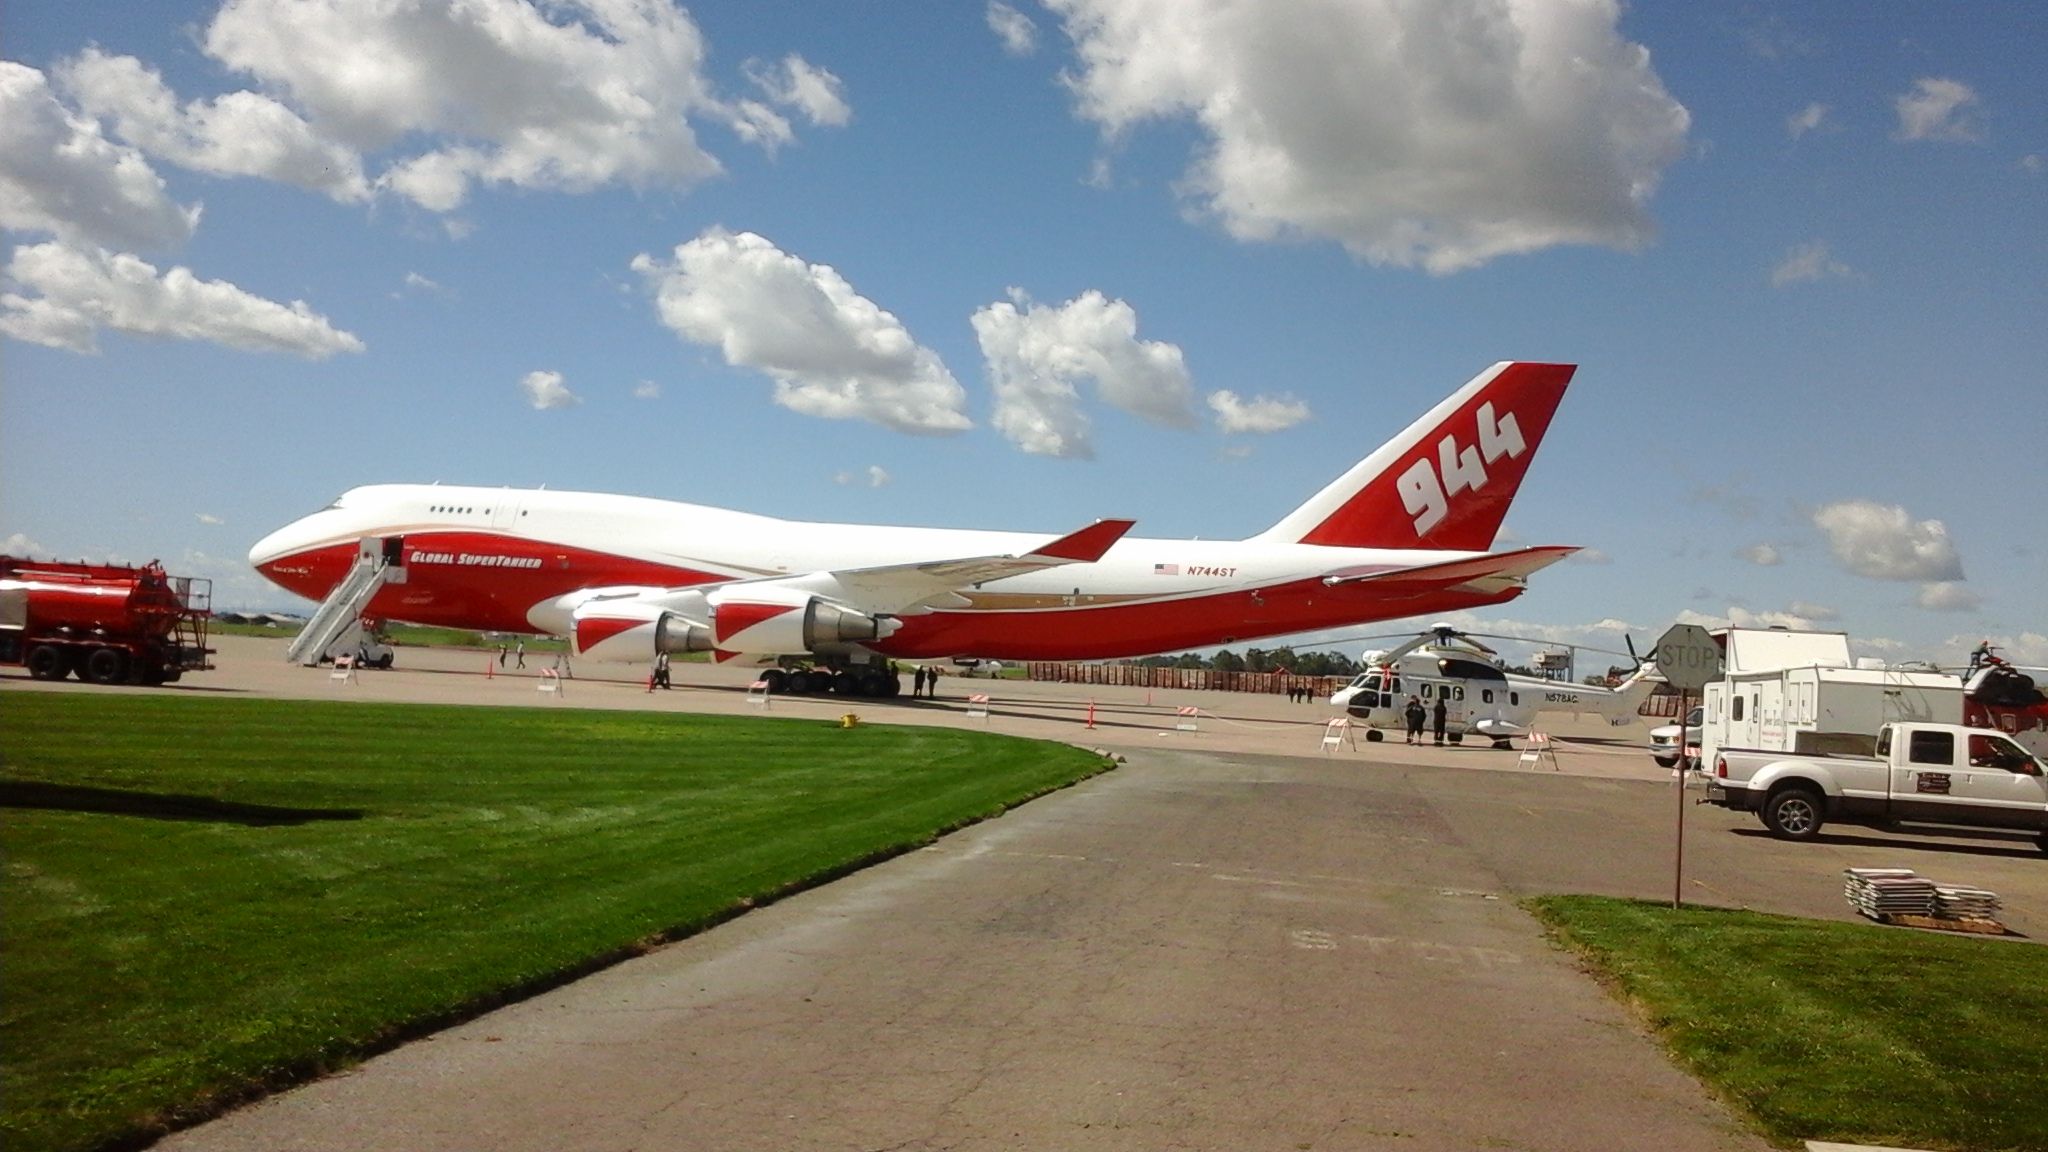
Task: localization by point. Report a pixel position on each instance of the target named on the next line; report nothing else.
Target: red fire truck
(109, 624)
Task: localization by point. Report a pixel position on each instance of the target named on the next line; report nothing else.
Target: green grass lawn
(1855, 1033)
(204, 897)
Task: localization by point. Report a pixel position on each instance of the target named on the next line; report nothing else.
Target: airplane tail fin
(1446, 481)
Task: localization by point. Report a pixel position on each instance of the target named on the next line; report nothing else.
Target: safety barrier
(550, 681)
(757, 694)
(1337, 733)
(1188, 718)
(1537, 748)
(977, 706)
(344, 670)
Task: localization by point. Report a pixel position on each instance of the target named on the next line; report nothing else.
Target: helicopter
(1482, 697)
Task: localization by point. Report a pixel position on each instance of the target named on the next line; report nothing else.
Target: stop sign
(1688, 657)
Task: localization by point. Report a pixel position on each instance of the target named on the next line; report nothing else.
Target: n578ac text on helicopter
(1481, 697)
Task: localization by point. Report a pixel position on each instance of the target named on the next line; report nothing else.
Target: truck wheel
(106, 666)
(777, 681)
(1794, 813)
(1374, 736)
(46, 662)
(1666, 761)
(384, 661)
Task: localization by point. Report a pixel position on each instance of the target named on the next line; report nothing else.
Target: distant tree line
(1262, 660)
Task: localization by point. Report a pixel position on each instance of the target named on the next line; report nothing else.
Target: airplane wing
(899, 587)
(1484, 574)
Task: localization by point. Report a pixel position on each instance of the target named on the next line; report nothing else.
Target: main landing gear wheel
(777, 681)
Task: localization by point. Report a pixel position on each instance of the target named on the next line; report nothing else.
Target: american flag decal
(1166, 569)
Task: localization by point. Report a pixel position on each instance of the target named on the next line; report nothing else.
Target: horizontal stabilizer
(1482, 574)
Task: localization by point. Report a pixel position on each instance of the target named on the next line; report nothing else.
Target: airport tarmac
(1235, 940)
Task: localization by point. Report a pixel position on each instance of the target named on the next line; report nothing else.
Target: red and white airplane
(1404, 532)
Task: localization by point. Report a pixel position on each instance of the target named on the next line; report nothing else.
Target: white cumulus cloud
(1884, 542)
(239, 134)
(1258, 414)
(1939, 109)
(1761, 555)
(545, 390)
(84, 290)
(1806, 263)
(1037, 354)
(873, 476)
(59, 175)
(647, 390)
(797, 83)
(1807, 119)
(1018, 34)
(207, 518)
(18, 544)
(1440, 134)
(1947, 596)
(568, 95)
(831, 351)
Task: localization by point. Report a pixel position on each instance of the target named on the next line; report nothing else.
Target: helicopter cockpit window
(1486, 695)
(1457, 691)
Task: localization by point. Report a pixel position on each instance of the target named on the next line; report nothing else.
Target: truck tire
(106, 666)
(1794, 813)
(46, 662)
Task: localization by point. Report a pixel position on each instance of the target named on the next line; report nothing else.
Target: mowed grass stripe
(205, 896)
(1844, 1032)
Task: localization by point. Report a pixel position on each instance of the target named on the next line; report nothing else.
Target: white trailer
(1786, 691)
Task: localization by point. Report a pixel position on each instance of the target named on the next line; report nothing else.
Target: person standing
(931, 683)
(1415, 716)
(917, 682)
(520, 654)
(1439, 714)
(661, 670)
(501, 655)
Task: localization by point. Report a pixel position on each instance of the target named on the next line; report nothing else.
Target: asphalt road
(1233, 941)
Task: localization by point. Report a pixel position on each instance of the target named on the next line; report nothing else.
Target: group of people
(1416, 714)
(1299, 693)
(925, 682)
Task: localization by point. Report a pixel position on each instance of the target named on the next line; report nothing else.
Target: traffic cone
(490, 671)
(1091, 715)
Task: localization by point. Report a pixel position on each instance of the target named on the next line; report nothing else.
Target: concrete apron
(1194, 950)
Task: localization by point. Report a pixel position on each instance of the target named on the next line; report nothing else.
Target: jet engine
(634, 631)
(766, 619)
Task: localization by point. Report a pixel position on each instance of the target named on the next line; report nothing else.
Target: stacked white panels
(1957, 902)
(1888, 892)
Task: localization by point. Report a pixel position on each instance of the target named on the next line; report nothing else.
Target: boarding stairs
(343, 608)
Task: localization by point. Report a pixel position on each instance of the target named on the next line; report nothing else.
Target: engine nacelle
(774, 621)
(634, 631)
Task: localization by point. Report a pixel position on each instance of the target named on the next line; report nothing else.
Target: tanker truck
(104, 623)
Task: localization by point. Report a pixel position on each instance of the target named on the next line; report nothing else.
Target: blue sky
(991, 265)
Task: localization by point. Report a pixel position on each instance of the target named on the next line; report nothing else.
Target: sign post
(1687, 657)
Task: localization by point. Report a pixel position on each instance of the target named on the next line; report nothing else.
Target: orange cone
(1091, 715)
(490, 671)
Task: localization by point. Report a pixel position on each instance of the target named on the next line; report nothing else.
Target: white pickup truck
(1922, 774)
